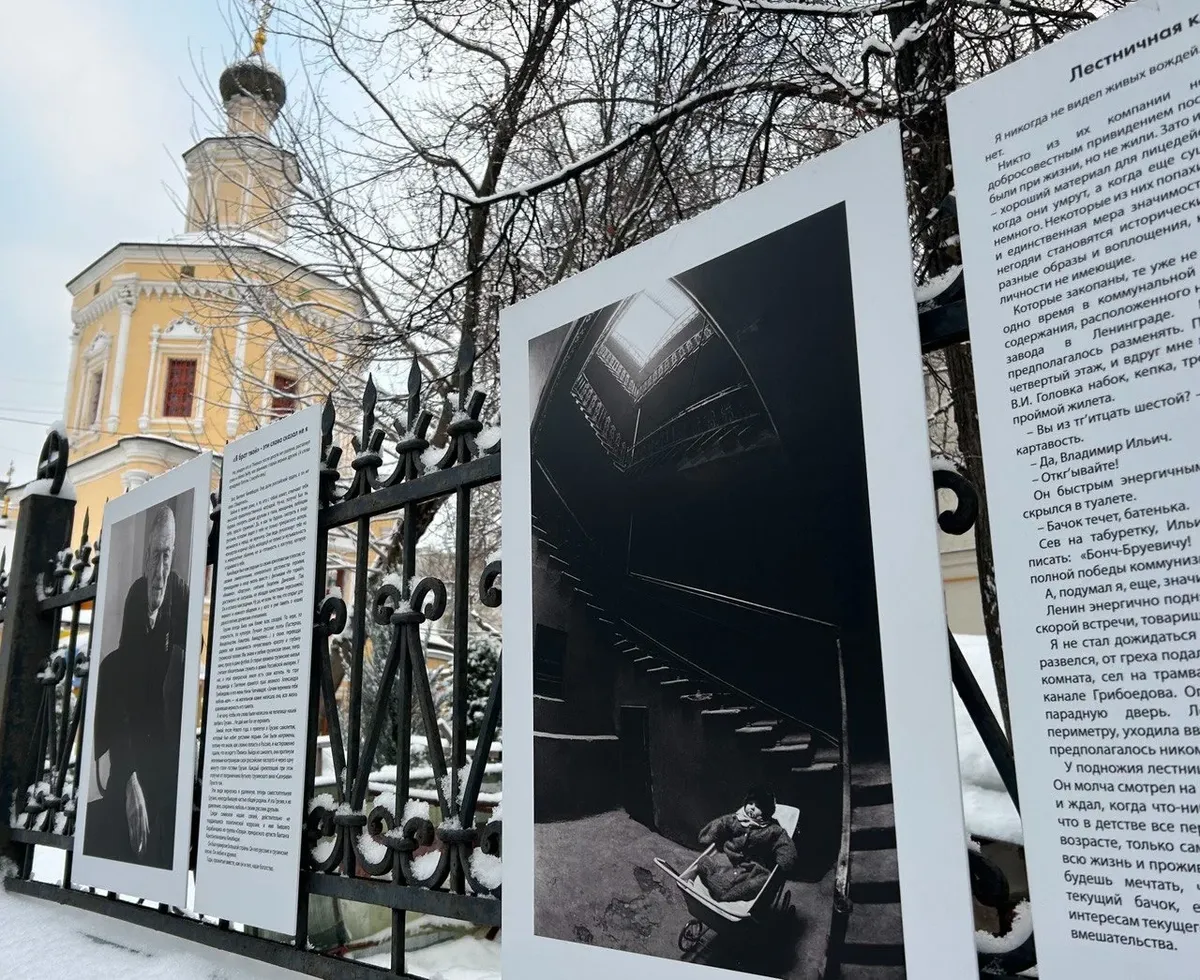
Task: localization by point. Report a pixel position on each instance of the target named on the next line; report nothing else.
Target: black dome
(254, 77)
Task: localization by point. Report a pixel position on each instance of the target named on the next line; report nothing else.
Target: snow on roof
(988, 811)
(45, 488)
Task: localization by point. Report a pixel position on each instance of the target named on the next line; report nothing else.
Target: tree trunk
(925, 75)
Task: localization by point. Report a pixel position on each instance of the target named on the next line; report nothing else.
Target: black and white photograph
(140, 745)
(706, 657)
(712, 754)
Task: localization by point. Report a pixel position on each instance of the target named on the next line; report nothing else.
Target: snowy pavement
(100, 948)
(96, 947)
(103, 948)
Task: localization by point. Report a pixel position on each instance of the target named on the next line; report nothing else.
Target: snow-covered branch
(659, 121)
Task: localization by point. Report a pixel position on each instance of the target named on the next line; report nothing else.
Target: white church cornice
(183, 328)
(235, 148)
(205, 251)
(239, 294)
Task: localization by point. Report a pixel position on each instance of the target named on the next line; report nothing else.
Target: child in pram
(746, 845)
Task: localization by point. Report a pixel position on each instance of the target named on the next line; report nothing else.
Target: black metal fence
(360, 847)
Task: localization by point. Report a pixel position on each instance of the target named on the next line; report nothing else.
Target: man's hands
(136, 816)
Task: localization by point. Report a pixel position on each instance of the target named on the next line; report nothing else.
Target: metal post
(43, 529)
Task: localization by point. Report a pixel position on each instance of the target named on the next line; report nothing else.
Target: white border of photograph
(169, 885)
(867, 175)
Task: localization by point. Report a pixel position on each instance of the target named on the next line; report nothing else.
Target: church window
(180, 388)
(283, 398)
(187, 272)
(91, 403)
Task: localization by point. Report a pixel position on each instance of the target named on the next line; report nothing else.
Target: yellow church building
(170, 352)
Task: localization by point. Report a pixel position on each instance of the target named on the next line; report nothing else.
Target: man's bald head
(160, 555)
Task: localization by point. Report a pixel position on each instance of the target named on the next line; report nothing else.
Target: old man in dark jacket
(748, 844)
(139, 709)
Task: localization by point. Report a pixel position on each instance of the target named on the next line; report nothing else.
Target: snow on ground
(100, 948)
(105, 948)
(466, 958)
(988, 810)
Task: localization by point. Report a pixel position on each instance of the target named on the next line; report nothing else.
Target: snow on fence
(354, 851)
(420, 774)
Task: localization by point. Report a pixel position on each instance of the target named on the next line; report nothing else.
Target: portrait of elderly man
(139, 710)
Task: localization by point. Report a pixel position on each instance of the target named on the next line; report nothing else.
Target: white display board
(1078, 183)
(252, 801)
(137, 772)
(763, 356)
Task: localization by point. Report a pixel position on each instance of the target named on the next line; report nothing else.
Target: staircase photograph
(711, 776)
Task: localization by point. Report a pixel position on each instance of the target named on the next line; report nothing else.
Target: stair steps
(870, 971)
(874, 937)
(873, 945)
(757, 729)
(873, 827)
(870, 786)
(874, 876)
(817, 767)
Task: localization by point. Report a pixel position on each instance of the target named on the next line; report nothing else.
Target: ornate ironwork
(63, 587)
(393, 836)
(52, 463)
(361, 840)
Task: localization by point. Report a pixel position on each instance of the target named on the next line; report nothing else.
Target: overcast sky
(100, 101)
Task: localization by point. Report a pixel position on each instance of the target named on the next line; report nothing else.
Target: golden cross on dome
(260, 35)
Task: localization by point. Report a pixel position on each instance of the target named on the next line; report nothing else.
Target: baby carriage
(711, 918)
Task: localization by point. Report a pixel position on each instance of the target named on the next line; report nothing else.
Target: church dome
(255, 77)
